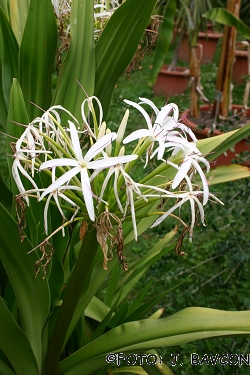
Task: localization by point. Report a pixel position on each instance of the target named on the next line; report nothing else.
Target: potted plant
(67, 315)
(189, 21)
(222, 104)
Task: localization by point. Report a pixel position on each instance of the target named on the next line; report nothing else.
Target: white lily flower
(191, 158)
(164, 126)
(82, 165)
(193, 197)
(16, 167)
(25, 152)
(156, 133)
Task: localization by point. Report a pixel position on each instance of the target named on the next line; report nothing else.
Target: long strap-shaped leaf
(223, 16)
(221, 143)
(187, 325)
(32, 293)
(18, 15)
(80, 60)
(37, 55)
(8, 63)
(15, 345)
(117, 45)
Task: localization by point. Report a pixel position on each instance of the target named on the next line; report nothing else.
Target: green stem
(72, 294)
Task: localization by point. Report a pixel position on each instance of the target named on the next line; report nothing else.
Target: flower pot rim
(210, 35)
(207, 130)
(241, 53)
(179, 71)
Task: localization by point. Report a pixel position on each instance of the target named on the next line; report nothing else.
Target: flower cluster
(89, 177)
(103, 10)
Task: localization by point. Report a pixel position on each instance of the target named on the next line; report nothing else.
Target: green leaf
(117, 46)
(9, 57)
(193, 323)
(4, 4)
(112, 285)
(119, 316)
(37, 55)
(227, 173)
(15, 344)
(164, 39)
(96, 309)
(32, 293)
(225, 17)
(80, 59)
(144, 309)
(4, 369)
(5, 196)
(221, 143)
(18, 15)
(97, 279)
(129, 280)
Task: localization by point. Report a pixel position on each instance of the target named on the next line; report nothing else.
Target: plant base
(230, 155)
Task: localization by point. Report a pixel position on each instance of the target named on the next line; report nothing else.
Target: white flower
(16, 168)
(82, 165)
(132, 188)
(156, 133)
(193, 198)
(190, 163)
(25, 152)
(164, 126)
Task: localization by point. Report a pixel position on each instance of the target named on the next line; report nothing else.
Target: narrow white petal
(110, 162)
(163, 217)
(18, 180)
(45, 214)
(98, 147)
(116, 191)
(137, 134)
(182, 172)
(201, 209)
(59, 162)
(149, 102)
(85, 120)
(166, 113)
(25, 174)
(191, 228)
(132, 209)
(203, 160)
(143, 112)
(75, 142)
(60, 181)
(204, 182)
(105, 182)
(87, 193)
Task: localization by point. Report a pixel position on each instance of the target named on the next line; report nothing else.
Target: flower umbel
(88, 179)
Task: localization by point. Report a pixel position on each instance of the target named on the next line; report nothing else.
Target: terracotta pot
(228, 156)
(171, 82)
(240, 68)
(209, 42)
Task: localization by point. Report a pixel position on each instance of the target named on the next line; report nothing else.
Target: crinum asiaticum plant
(79, 172)
(78, 182)
(90, 177)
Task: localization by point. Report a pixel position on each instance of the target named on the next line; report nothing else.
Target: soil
(234, 121)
